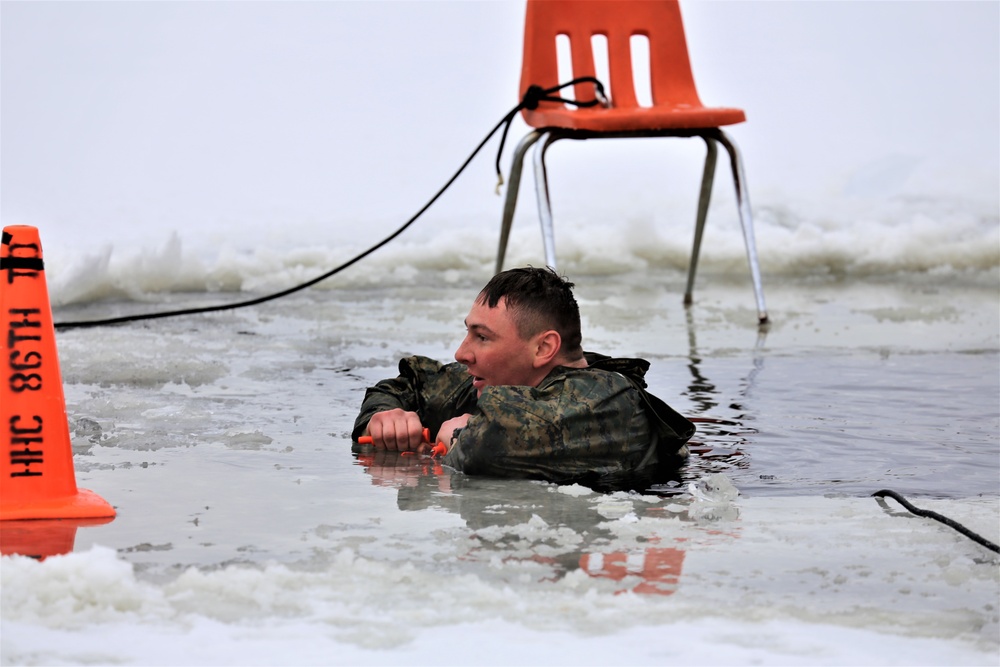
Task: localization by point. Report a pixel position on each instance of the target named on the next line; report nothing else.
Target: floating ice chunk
(239, 439)
(714, 489)
(85, 427)
(613, 508)
(575, 490)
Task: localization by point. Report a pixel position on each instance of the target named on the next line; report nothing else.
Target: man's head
(524, 323)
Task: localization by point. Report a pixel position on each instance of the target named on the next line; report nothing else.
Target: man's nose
(461, 355)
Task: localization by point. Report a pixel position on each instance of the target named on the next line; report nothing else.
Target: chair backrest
(671, 80)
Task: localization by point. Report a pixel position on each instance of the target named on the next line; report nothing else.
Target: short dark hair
(538, 300)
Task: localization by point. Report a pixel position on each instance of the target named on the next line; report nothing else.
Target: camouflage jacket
(596, 425)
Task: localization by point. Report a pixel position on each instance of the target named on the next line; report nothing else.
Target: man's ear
(548, 344)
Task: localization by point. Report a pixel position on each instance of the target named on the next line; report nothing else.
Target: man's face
(493, 351)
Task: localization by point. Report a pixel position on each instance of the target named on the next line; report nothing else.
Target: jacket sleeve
(586, 425)
(435, 391)
(386, 395)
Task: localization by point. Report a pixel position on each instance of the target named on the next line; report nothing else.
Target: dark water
(921, 423)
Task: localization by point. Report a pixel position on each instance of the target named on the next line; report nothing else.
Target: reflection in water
(41, 538)
(528, 531)
(658, 569)
(719, 444)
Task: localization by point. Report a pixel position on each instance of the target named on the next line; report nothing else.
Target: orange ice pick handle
(367, 439)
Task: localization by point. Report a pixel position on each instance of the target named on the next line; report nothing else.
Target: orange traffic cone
(37, 479)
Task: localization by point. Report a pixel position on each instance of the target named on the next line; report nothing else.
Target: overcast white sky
(197, 113)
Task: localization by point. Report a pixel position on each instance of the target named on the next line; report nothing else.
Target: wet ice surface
(222, 440)
(579, 578)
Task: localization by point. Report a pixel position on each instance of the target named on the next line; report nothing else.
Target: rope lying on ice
(938, 517)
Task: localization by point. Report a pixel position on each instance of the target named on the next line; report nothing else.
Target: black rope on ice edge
(938, 517)
(531, 99)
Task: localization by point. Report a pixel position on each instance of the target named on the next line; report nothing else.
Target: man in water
(524, 400)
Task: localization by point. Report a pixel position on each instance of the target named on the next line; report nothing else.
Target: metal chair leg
(510, 199)
(544, 203)
(746, 220)
(707, 179)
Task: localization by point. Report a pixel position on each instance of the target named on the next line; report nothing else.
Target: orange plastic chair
(676, 110)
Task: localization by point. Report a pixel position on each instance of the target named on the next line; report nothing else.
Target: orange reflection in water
(41, 538)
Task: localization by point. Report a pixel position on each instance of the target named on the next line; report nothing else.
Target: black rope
(938, 517)
(535, 95)
(531, 99)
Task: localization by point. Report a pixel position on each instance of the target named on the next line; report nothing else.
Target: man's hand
(396, 430)
(448, 428)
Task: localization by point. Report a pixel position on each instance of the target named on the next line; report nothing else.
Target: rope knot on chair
(532, 97)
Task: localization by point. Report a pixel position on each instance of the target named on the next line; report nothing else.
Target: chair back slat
(671, 79)
(620, 71)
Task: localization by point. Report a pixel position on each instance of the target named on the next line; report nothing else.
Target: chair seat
(599, 119)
